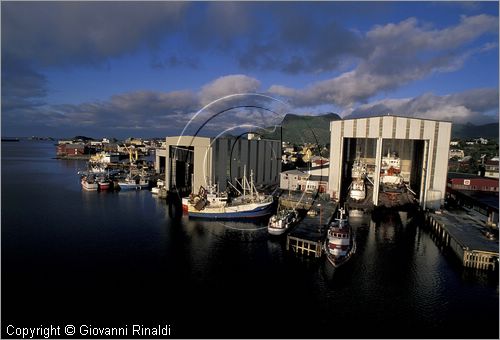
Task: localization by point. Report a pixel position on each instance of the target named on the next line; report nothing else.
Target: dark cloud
(55, 33)
(160, 112)
(22, 86)
(478, 106)
(302, 44)
(399, 54)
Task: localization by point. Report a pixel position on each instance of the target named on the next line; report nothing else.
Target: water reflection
(147, 260)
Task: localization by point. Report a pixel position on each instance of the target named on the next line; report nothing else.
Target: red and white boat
(390, 174)
(340, 243)
(104, 183)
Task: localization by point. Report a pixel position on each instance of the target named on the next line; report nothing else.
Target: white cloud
(478, 106)
(226, 85)
(399, 54)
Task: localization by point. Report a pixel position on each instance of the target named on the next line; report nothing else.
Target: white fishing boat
(89, 183)
(160, 184)
(340, 244)
(359, 169)
(133, 183)
(282, 221)
(358, 190)
(211, 204)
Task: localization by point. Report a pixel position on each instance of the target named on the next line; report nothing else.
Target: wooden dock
(464, 235)
(308, 236)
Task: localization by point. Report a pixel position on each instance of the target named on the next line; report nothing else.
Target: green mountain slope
(305, 129)
(464, 131)
(316, 129)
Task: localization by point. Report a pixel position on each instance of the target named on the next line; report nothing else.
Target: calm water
(115, 259)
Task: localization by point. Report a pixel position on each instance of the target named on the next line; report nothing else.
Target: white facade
(436, 142)
(297, 180)
(456, 153)
(292, 179)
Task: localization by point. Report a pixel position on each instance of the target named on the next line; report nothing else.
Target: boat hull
(337, 261)
(276, 231)
(129, 186)
(260, 210)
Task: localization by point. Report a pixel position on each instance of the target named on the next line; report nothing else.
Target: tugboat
(282, 221)
(340, 244)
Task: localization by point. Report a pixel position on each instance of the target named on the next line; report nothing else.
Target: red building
(70, 149)
(474, 184)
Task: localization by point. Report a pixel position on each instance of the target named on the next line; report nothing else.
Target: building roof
(489, 200)
(323, 166)
(481, 181)
(452, 175)
(317, 178)
(391, 115)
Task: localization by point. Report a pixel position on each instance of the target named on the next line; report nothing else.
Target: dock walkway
(465, 236)
(308, 236)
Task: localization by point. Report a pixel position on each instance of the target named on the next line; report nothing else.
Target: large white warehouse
(422, 145)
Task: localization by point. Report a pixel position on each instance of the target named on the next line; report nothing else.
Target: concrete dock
(466, 237)
(308, 236)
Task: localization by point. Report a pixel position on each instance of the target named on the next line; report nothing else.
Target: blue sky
(144, 69)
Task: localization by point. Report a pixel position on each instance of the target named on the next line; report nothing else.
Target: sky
(155, 69)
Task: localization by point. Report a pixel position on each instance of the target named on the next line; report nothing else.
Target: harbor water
(113, 259)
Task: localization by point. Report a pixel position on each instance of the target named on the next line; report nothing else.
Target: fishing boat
(340, 243)
(358, 190)
(133, 183)
(160, 184)
(211, 204)
(282, 221)
(358, 170)
(104, 183)
(89, 183)
(390, 174)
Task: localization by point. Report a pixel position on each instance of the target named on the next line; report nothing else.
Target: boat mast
(252, 187)
(244, 180)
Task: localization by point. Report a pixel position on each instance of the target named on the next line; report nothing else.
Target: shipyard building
(190, 162)
(421, 144)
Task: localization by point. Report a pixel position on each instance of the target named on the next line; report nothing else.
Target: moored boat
(211, 204)
(160, 184)
(358, 190)
(104, 183)
(89, 183)
(282, 221)
(136, 183)
(390, 176)
(358, 170)
(340, 243)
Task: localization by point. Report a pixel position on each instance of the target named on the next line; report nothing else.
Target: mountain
(305, 129)
(316, 129)
(464, 131)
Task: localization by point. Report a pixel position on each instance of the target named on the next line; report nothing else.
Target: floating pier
(308, 236)
(466, 237)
